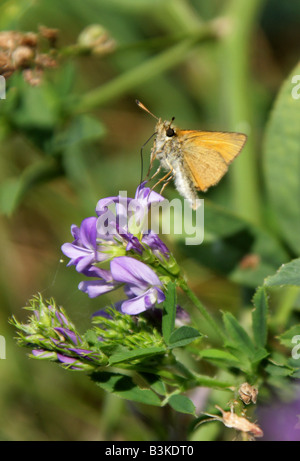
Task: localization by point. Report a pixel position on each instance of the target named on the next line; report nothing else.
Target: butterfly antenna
(172, 120)
(141, 105)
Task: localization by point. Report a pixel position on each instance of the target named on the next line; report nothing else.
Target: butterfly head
(166, 132)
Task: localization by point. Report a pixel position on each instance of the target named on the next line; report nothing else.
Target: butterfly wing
(208, 154)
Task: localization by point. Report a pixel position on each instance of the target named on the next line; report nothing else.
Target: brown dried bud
(45, 61)
(49, 34)
(22, 56)
(29, 39)
(248, 393)
(9, 40)
(33, 77)
(6, 67)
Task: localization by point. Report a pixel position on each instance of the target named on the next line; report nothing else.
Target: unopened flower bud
(97, 39)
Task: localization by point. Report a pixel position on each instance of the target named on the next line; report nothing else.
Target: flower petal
(94, 288)
(129, 270)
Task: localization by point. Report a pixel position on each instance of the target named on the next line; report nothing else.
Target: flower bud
(96, 38)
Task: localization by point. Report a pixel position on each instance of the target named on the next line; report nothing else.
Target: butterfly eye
(170, 132)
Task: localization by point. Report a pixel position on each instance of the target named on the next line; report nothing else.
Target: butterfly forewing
(207, 154)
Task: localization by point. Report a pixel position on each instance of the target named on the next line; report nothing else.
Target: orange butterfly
(195, 159)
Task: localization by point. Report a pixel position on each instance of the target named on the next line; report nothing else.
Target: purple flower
(103, 284)
(67, 334)
(142, 285)
(83, 251)
(42, 353)
(119, 230)
(156, 244)
(144, 198)
(129, 217)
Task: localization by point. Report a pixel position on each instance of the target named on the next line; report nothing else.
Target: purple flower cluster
(117, 236)
(51, 336)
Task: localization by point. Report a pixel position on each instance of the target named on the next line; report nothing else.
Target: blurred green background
(76, 138)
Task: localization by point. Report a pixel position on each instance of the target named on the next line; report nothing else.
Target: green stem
(142, 73)
(201, 308)
(206, 381)
(237, 103)
(200, 380)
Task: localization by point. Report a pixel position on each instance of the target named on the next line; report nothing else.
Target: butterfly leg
(164, 178)
(156, 173)
(166, 183)
(152, 158)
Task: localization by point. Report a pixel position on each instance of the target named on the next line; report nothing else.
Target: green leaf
(288, 274)
(92, 338)
(239, 336)
(279, 370)
(286, 337)
(260, 354)
(124, 387)
(155, 383)
(259, 317)
(182, 404)
(126, 355)
(217, 354)
(169, 311)
(220, 357)
(282, 162)
(183, 336)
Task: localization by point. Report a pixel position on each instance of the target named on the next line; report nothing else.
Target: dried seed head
(33, 76)
(22, 56)
(6, 67)
(49, 34)
(45, 61)
(29, 39)
(240, 423)
(9, 40)
(248, 393)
